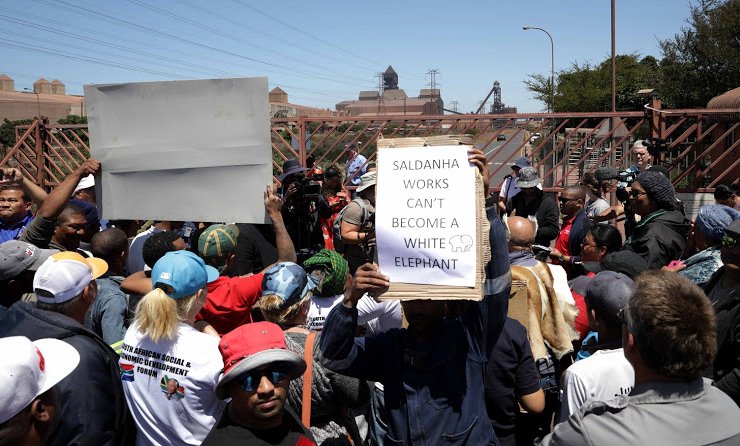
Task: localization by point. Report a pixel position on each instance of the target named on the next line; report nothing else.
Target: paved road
(501, 151)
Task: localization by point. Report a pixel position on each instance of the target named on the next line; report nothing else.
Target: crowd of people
(608, 317)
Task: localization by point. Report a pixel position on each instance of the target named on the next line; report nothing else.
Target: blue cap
(184, 272)
(288, 281)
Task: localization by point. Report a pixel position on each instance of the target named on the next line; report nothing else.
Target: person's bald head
(521, 232)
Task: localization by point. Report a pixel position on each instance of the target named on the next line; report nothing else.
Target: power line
(324, 25)
(272, 36)
(53, 30)
(223, 34)
(22, 45)
(295, 28)
(72, 46)
(130, 25)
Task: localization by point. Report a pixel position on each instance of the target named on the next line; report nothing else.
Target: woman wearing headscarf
(169, 369)
(708, 232)
(660, 236)
(286, 298)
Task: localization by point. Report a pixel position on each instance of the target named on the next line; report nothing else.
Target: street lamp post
(38, 101)
(550, 106)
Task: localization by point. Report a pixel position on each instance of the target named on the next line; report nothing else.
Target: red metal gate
(703, 146)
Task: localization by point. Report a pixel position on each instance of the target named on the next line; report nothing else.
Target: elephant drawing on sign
(461, 243)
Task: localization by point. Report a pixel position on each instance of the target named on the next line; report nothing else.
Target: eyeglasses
(588, 245)
(729, 242)
(565, 199)
(636, 194)
(251, 380)
(622, 315)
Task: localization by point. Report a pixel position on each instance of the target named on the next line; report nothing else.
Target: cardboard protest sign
(430, 221)
(182, 150)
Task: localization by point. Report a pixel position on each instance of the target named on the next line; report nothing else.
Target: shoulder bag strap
(307, 379)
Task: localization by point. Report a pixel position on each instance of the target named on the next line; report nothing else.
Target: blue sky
(324, 52)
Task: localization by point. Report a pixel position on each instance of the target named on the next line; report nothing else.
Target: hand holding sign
(368, 279)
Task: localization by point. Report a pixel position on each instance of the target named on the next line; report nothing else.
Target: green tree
(587, 88)
(7, 131)
(702, 60)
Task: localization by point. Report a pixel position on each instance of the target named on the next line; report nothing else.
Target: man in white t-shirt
(606, 373)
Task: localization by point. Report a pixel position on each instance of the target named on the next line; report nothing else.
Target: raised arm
(274, 206)
(15, 176)
(58, 198)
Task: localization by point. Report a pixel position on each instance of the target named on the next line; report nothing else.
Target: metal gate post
(39, 149)
(302, 140)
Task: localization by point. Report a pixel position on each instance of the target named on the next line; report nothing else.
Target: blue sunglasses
(251, 380)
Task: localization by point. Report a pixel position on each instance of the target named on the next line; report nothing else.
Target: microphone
(606, 173)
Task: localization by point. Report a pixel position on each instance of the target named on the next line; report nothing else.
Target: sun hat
(366, 180)
(528, 178)
(183, 272)
(288, 281)
(254, 345)
(17, 256)
(29, 369)
(290, 167)
(64, 275)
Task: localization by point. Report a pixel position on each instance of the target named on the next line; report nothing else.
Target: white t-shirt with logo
(376, 316)
(602, 376)
(170, 386)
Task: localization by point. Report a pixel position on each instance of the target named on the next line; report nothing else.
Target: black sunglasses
(251, 380)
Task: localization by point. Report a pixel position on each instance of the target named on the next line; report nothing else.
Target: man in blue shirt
(355, 163)
(17, 196)
(433, 371)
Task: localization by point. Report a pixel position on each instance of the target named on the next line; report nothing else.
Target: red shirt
(229, 302)
(562, 243)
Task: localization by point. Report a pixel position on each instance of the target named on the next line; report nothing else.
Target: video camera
(309, 187)
(625, 178)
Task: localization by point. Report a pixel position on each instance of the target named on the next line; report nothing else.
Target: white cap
(64, 275)
(85, 182)
(29, 369)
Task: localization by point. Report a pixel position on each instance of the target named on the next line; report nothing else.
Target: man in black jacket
(93, 410)
(533, 201)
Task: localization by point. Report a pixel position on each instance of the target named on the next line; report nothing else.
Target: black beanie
(659, 188)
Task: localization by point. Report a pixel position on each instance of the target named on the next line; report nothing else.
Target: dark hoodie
(659, 238)
(93, 409)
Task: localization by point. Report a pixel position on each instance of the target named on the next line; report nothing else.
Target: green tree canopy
(7, 131)
(703, 60)
(698, 63)
(587, 88)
